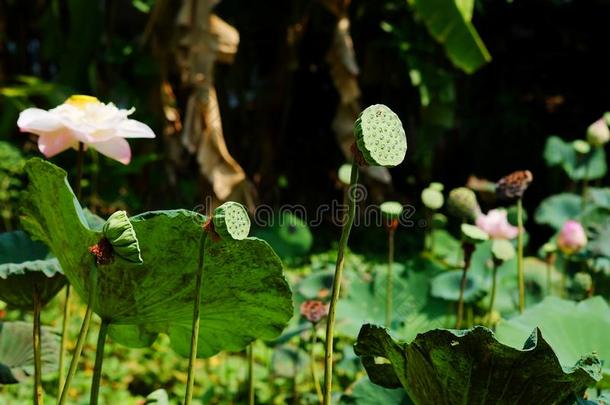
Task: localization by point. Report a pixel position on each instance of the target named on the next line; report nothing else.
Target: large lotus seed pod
(231, 221)
(432, 197)
(462, 203)
(391, 209)
(380, 136)
(514, 185)
(598, 133)
(119, 232)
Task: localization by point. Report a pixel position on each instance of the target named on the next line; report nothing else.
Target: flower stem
(467, 249)
(99, 359)
(312, 362)
(564, 276)
(64, 338)
(330, 325)
(520, 255)
(250, 351)
(37, 349)
(388, 302)
(82, 337)
(492, 298)
(190, 381)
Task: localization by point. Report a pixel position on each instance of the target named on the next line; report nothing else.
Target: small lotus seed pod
(598, 133)
(583, 283)
(473, 234)
(514, 185)
(502, 250)
(380, 136)
(432, 197)
(436, 186)
(121, 236)
(345, 173)
(439, 220)
(231, 221)
(581, 146)
(391, 209)
(462, 203)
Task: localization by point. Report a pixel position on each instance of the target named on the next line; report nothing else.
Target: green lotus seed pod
(122, 237)
(598, 133)
(548, 248)
(439, 220)
(462, 203)
(583, 282)
(473, 234)
(502, 249)
(436, 186)
(432, 198)
(391, 209)
(380, 136)
(231, 221)
(581, 146)
(345, 173)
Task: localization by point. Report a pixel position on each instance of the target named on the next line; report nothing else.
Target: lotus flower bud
(380, 137)
(314, 310)
(572, 238)
(462, 203)
(514, 185)
(432, 197)
(231, 221)
(121, 239)
(598, 133)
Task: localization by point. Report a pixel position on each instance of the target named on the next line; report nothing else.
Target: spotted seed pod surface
(380, 136)
(231, 220)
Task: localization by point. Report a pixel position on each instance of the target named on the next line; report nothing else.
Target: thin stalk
(250, 351)
(585, 186)
(330, 325)
(66, 315)
(520, 256)
(190, 381)
(492, 298)
(467, 249)
(548, 276)
(99, 359)
(37, 349)
(388, 302)
(564, 276)
(312, 362)
(82, 337)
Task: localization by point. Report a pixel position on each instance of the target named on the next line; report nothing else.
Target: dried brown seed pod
(514, 185)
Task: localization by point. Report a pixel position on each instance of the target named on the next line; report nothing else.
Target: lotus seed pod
(581, 146)
(439, 220)
(380, 136)
(345, 173)
(436, 186)
(391, 209)
(514, 185)
(432, 198)
(231, 221)
(462, 203)
(121, 236)
(473, 234)
(502, 249)
(598, 133)
(583, 283)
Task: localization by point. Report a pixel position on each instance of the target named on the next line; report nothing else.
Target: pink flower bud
(572, 237)
(496, 224)
(314, 310)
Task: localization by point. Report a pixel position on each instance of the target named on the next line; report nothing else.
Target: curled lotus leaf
(121, 235)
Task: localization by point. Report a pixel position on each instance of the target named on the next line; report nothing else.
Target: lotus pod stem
(99, 360)
(468, 249)
(330, 324)
(38, 400)
(312, 362)
(250, 351)
(520, 272)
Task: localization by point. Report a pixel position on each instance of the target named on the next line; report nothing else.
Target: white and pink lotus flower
(496, 225)
(99, 126)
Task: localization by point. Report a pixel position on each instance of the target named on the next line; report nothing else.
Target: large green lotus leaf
(413, 309)
(449, 23)
(17, 354)
(471, 367)
(244, 294)
(364, 392)
(289, 236)
(557, 209)
(591, 166)
(447, 286)
(25, 265)
(572, 329)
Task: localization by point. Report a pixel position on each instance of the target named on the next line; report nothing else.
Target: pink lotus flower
(85, 119)
(572, 237)
(496, 224)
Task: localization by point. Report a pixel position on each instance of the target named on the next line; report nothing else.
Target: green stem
(330, 325)
(99, 359)
(190, 381)
(520, 256)
(64, 338)
(82, 337)
(548, 276)
(250, 351)
(467, 248)
(492, 298)
(37, 349)
(312, 362)
(585, 186)
(388, 303)
(79, 169)
(564, 276)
